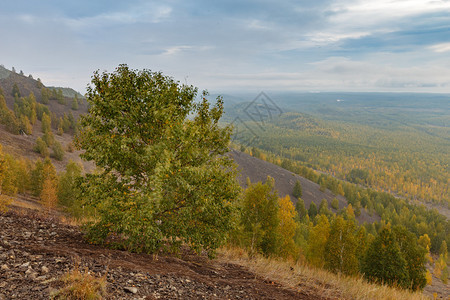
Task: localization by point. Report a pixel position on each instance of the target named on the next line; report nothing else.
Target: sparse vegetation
(301, 276)
(81, 285)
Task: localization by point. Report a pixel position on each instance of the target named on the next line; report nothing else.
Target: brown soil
(36, 251)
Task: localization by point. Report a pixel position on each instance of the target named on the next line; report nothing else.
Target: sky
(225, 46)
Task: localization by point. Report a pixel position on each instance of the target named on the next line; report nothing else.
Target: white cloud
(147, 13)
(176, 50)
(440, 48)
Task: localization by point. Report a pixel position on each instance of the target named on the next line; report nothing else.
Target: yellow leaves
(49, 196)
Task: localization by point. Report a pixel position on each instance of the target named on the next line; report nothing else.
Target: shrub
(5, 202)
(41, 147)
(58, 152)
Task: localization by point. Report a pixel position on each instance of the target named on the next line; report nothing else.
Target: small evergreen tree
(335, 203)
(297, 192)
(74, 104)
(15, 91)
(312, 211)
(41, 147)
(46, 123)
(45, 95)
(323, 208)
(60, 129)
(301, 209)
(384, 262)
(414, 256)
(58, 152)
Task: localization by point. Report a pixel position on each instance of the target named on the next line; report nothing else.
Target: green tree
(323, 208)
(60, 97)
(48, 138)
(41, 147)
(441, 263)
(74, 104)
(317, 240)
(15, 91)
(46, 123)
(42, 170)
(297, 192)
(164, 178)
(25, 125)
(70, 120)
(335, 203)
(341, 247)
(45, 95)
(384, 261)
(67, 188)
(60, 129)
(312, 211)
(58, 151)
(300, 208)
(259, 217)
(414, 256)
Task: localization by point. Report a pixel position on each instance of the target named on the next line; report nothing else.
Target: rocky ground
(35, 251)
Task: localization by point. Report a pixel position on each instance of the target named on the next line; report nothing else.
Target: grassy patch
(81, 285)
(309, 280)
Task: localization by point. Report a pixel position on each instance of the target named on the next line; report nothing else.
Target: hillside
(257, 170)
(29, 85)
(400, 141)
(52, 236)
(35, 251)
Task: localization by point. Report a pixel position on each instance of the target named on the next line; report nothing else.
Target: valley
(354, 172)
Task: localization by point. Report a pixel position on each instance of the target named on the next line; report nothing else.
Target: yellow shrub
(5, 202)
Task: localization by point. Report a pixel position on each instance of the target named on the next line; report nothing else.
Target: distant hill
(22, 145)
(67, 92)
(4, 73)
(27, 85)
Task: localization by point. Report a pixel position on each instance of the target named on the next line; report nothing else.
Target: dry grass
(304, 278)
(22, 203)
(81, 285)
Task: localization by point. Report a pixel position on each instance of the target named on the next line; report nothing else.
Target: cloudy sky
(304, 45)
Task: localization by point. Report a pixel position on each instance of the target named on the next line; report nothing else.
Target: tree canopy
(164, 178)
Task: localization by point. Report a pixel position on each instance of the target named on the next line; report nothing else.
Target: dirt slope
(258, 170)
(36, 251)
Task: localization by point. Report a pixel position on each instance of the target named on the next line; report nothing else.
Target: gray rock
(44, 269)
(4, 267)
(130, 289)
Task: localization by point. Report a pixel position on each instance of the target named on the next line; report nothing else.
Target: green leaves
(164, 180)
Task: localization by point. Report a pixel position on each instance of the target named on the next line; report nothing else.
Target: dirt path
(35, 252)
